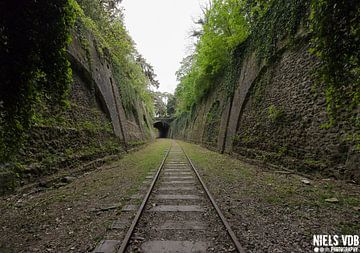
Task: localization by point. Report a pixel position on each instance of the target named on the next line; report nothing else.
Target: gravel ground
(275, 212)
(269, 211)
(76, 216)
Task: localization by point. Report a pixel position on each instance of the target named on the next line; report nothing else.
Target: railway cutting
(177, 214)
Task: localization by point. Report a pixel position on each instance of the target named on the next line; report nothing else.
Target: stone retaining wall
(277, 115)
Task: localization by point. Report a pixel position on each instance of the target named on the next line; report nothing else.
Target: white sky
(160, 29)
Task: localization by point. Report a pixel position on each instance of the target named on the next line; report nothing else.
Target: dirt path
(277, 212)
(75, 217)
(268, 211)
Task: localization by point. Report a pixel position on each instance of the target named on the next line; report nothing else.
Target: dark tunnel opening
(163, 129)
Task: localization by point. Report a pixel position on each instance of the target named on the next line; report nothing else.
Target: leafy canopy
(224, 26)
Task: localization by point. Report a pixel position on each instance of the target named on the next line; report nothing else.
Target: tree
(224, 27)
(164, 103)
(148, 71)
(159, 104)
(171, 105)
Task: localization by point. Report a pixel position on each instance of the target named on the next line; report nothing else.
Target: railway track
(177, 214)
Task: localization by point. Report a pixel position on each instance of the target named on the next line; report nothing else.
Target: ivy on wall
(224, 27)
(230, 29)
(278, 23)
(34, 35)
(133, 74)
(335, 27)
(34, 70)
(212, 123)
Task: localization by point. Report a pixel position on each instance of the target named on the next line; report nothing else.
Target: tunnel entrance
(163, 129)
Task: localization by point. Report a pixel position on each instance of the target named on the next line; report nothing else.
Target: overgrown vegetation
(279, 191)
(164, 104)
(275, 25)
(223, 27)
(335, 27)
(34, 66)
(114, 183)
(212, 122)
(36, 75)
(133, 74)
(231, 30)
(275, 114)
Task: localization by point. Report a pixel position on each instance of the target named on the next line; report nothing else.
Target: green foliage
(212, 123)
(34, 66)
(213, 114)
(275, 114)
(281, 151)
(272, 24)
(164, 104)
(35, 73)
(133, 74)
(335, 27)
(224, 27)
(171, 105)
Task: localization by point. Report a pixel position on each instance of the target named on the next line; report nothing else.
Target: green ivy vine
(335, 27)
(34, 68)
(278, 22)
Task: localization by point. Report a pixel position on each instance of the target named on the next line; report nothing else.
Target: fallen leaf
(332, 200)
(305, 181)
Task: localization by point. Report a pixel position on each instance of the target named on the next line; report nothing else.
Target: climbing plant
(335, 27)
(34, 68)
(230, 28)
(274, 22)
(134, 76)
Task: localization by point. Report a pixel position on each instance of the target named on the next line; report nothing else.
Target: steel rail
(142, 206)
(230, 232)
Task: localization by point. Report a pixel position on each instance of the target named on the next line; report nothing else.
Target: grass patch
(347, 228)
(132, 168)
(73, 207)
(230, 178)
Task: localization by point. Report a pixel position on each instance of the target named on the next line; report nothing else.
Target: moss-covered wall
(206, 122)
(94, 124)
(276, 114)
(129, 126)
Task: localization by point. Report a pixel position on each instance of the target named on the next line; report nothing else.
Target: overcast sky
(160, 29)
